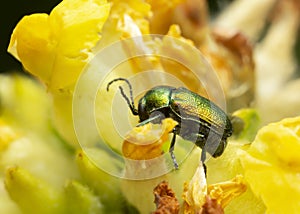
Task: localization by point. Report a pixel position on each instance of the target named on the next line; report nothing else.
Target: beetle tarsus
(174, 160)
(171, 149)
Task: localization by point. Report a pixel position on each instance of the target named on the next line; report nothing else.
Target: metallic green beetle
(199, 120)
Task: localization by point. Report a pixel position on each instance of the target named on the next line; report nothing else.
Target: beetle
(199, 119)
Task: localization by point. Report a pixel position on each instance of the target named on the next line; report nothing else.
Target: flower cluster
(41, 160)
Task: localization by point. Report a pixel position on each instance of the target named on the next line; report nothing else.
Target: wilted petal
(195, 192)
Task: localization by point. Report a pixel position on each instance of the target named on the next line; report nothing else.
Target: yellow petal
(197, 192)
(226, 191)
(126, 19)
(162, 15)
(272, 166)
(145, 142)
(56, 47)
(27, 190)
(29, 44)
(181, 49)
(7, 135)
(132, 16)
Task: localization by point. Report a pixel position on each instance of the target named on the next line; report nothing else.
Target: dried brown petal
(231, 55)
(237, 43)
(192, 17)
(211, 206)
(165, 199)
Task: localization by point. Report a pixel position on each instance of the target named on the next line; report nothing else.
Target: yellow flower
(7, 135)
(126, 19)
(131, 16)
(162, 16)
(145, 142)
(225, 191)
(197, 192)
(146, 165)
(272, 166)
(56, 47)
(143, 149)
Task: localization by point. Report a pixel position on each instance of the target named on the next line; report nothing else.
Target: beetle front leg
(151, 119)
(171, 149)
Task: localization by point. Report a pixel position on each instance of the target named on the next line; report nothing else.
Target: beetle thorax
(155, 100)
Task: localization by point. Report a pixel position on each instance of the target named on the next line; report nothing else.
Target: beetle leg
(171, 149)
(200, 140)
(149, 120)
(203, 157)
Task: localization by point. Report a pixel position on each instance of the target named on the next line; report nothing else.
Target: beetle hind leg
(171, 150)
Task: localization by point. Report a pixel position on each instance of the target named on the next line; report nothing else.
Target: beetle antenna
(129, 101)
